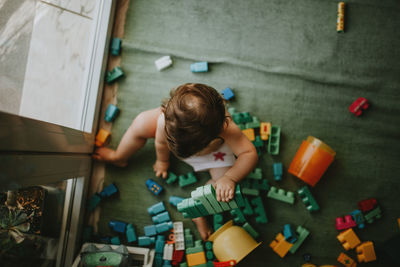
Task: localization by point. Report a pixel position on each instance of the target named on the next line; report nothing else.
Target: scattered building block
(196, 258)
(174, 200)
(278, 171)
(163, 63)
(111, 113)
(188, 239)
(168, 251)
(255, 174)
(358, 106)
(218, 221)
(308, 199)
(150, 230)
(249, 133)
(102, 137)
(289, 234)
(250, 191)
(115, 240)
(280, 246)
(153, 187)
(109, 190)
(114, 75)
(185, 180)
(349, 239)
(161, 217)
(254, 123)
(366, 252)
(367, 204)
(94, 202)
(179, 236)
(171, 178)
(228, 94)
(156, 208)
(158, 259)
(163, 227)
(238, 216)
(247, 210)
(346, 224)
(199, 67)
(238, 196)
(209, 193)
(117, 226)
(281, 195)
(259, 210)
(374, 214)
(265, 130)
(198, 247)
(160, 242)
(146, 241)
(302, 234)
(260, 184)
(346, 260)
(274, 139)
(116, 46)
(249, 229)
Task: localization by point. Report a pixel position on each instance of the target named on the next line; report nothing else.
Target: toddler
(194, 125)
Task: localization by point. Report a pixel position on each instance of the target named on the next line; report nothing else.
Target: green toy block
(114, 74)
(198, 194)
(255, 174)
(188, 238)
(201, 208)
(254, 123)
(237, 118)
(209, 255)
(302, 235)
(209, 193)
(238, 216)
(183, 207)
(258, 143)
(183, 264)
(185, 180)
(171, 178)
(238, 196)
(281, 195)
(248, 210)
(115, 240)
(308, 199)
(224, 205)
(373, 214)
(259, 210)
(208, 245)
(246, 117)
(232, 204)
(193, 209)
(218, 221)
(116, 46)
(274, 139)
(260, 184)
(194, 249)
(250, 230)
(250, 191)
(210, 264)
(241, 126)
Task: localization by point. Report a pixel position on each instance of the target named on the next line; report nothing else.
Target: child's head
(194, 116)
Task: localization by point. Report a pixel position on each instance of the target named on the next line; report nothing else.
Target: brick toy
(163, 227)
(188, 239)
(349, 239)
(280, 246)
(188, 179)
(218, 221)
(373, 215)
(161, 217)
(346, 260)
(346, 224)
(259, 210)
(302, 234)
(115, 240)
(367, 204)
(227, 93)
(255, 174)
(247, 210)
(116, 46)
(358, 106)
(174, 200)
(249, 133)
(146, 241)
(358, 217)
(94, 202)
(254, 123)
(308, 199)
(171, 178)
(163, 63)
(117, 226)
(249, 229)
(168, 251)
(199, 67)
(111, 113)
(130, 233)
(150, 230)
(153, 187)
(289, 234)
(102, 137)
(274, 140)
(109, 190)
(238, 216)
(366, 252)
(179, 236)
(195, 259)
(265, 130)
(278, 171)
(156, 208)
(114, 75)
(281, 195)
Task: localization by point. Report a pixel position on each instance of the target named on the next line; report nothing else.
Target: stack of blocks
(179, 236)
(290, 241)
(209, 253)
(195, 255)
(159, 250)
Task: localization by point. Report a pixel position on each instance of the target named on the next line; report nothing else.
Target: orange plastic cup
(311, 160)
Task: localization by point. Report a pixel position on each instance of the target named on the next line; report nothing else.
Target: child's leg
(143, 127)
(201, 223)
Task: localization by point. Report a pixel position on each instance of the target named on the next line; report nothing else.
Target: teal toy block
(308, 199)
(198, 247)
(209, 255)
(255, 174)
(199, 67)
(259, 210)
(289, 234)
(209, 193)
(208, 245)
(111, 113)
(188, 239)
(114, 74)
(254, 123)
(238, 196)
(238, 216)
(171, 178)
(237, 118)
(302, 234)
(161, 217)
(218, 221)
(163, 227)
(274, 139)
(198, 194)
(130, 233)
(158, 260)
(146, 241)
(358, 217)
(94, 201)
(183, 207)
(281, 195)
(250, 191)
(248, 210)
(167, 263)
(160, 242)
(249, 229)
(278, 171)
(174, 200)
(150, 230)
(116, 46)
(374, 214)
(117, 226)
(232, 110)
(191, 207)
(156, 208)
(115, 240)
(185, 180)
(258, 143)
(260, 184)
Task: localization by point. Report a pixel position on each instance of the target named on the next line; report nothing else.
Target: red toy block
(367, 204)
(358, 105)
(177, 257)
(224, 263)
(346, 224)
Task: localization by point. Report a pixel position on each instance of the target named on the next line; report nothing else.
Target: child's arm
(246, 161)
(162, 151)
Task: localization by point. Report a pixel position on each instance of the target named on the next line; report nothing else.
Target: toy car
(358, 105)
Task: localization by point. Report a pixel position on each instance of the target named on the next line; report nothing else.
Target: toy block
(248, 210)
(188, 238)
(102, 137)
(174, 200)
(163, 63)
(200, 208)
(307, 257)
(179, 236)
(218, 220)
(168, 251)
(171, 178)
(109, 190)
(184, 264)
(156, 208)
(209, 255)
(367, 204)
(199, 67)
(278, 171)
(346, 224)
(185, 180)
(153, 187)
(111, 113)
(158, 260)
(167, 263)
(114, 75)
(160, 242)
(241, 126)
(198, 194)
(208, 245)
(161, 217)
(289, 234)
(115, 240)
(281, 195)
(227, 93)
(249, 229)
(116, 46)
(280, 246)
(209, 193)
(374, 214)
(255, 174)
(192, 209)
(117, 226)
(232, 204)
(249, 133)
(308, 199)
(346, 260)
(130, 233)
(273, 144)
(224, 263)
(250, 191)
(146, 241)
(366, 252)
(259, 210)
(246, 117)
(238, 216)
(163, 227)
(196, 258)
(349, 239)
(237, 118)
(94, 201)
(150, 230)
(254, 123)
(265, 130)
(260, 184)
(358, 106)
(238, 196)
(258, 143)
(198, 247)
(226, 206)
(177, 257)
(302, 234)
(183, 208)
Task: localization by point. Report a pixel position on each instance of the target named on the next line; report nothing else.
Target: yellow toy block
(265, 130)
(366, 252)
(398, 221)
(346, 260)
(280, 246)
(349, 239)
(308, 265)
(102, 137)
(196, 258)
(249, 133)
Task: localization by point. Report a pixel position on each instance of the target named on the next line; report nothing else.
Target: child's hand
(224, 188)
(161, 168)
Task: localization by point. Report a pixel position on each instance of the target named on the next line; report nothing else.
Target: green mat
(287, 65)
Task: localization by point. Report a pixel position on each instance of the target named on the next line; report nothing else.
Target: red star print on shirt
(219, 155)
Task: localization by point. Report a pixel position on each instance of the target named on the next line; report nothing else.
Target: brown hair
(194, 116)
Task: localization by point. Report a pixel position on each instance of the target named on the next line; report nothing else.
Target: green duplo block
(241, 126)
(224, 205)
(201, 208)
(209, 193)
(248, 210)
(198, 194)
(259, 210)
(218, 220)
(255, 174)
(373, 214)
(114, 74)
(246, 117)
(302, 235)
(185, 180)
(258, 143)
(210, 264)
(209, 255)
(238, 196)
(193, 209)
(171, 178)
(281, 195)
(274, 139)
(250, 191)
(183, 206)
(195, 249)
(233, 204)
(250, 230)
(308, 199)
(183, 264)
(238, 216)
(260, 184)
(255, 123)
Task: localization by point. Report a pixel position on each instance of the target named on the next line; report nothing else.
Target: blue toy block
(156, 208)
(105, 240)
(150, 230)
(160, 242)
(185, 180)
(116, 46)
(94, 202)
(115, 240)
(109, 190)
(153, 187)
(161, 217)
(289, 234)
(163, 227)
(111, 113)
(278, 171)
(358, 217)
(174, 200)
(199, 67)
(228, 94)
(130, 233)
(146, 241)
(117, 226)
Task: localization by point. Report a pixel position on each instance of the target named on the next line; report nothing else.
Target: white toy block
(163, 62)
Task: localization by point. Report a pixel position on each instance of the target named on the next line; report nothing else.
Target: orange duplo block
(249, 133)
(265, 130)
(280, 246)
(366, 252)
(398, 221)
(196, 258)
(346, 260)
(349, 239)
(102, 137)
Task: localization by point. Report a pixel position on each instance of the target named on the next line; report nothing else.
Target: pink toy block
(346, 224)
